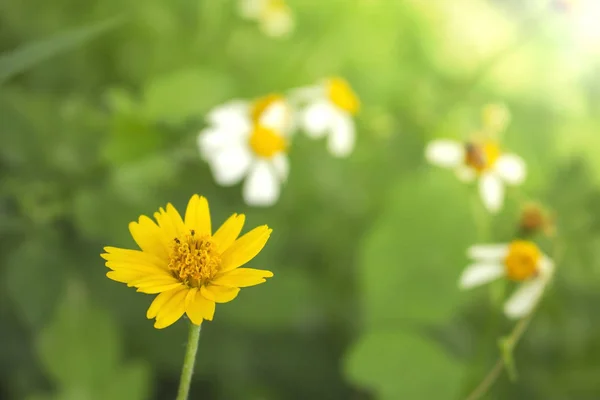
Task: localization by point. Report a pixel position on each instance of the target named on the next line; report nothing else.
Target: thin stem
(488, 381)
(188, 362)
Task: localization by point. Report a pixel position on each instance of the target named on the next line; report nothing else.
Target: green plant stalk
(188, 362)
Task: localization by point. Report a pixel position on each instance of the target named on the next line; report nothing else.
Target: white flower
(479, 160)
(249, 140)
(519, 261)
(274, 16)
(331, 105)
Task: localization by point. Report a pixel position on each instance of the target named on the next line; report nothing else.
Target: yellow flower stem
(188, 362)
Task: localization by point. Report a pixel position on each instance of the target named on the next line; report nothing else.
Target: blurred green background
(100, 105)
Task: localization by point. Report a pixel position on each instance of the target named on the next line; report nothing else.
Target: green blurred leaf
(400, 365)
(30, 54)
(186, 93)
(81, 345)
(129, 382)
(412, 258)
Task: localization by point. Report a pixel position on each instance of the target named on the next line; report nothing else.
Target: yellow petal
(197, 215)
(170, 222)
(228, 232)
(153, 280)
(200, 308)
(147, 269)
(160, 288)
(171, 310)
(219, 294)
(245, 248)
(133, 256)
(149, 237)
(125, 276)
(159, 301)
(242, 277)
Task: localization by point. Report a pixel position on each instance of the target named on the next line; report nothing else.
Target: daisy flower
(519, 261)
(188, 266)
(482, 160)
(249, 139)
(275, 18)
(331, 105)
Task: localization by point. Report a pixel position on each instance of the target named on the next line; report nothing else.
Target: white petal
(511, 168)
(262, 185)
(281, 165)
(546, 267)
(524, 298)
(234, 116)
(317, 117)
(479, 274)
(488, 252)
(342, 136)
(277, 23)
(230, 165)
(465, 173)
(491, 190)
(277, 116)
(251, 9)
(445, 153)
(212, 140)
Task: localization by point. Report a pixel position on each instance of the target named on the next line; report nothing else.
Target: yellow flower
(188, 266)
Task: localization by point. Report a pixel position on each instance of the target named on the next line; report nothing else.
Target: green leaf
(30, 54)
(183, 94)
(400, 365)
(127, 383)
(413, 257)
(80, 348)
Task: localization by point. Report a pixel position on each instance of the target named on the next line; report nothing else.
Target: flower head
(188, 266)
(519, 261)
(275, 18)
(331, 106)
(483, 160)
(249, 139)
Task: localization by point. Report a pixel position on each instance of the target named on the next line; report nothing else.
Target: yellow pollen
(522, 260)
(266, 142)
(194, 260)
(261, 104)
(481, 156)
(341, 94)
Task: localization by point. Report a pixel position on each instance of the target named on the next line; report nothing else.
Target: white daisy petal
(233, 116)
(445, 153)
(511, 168)
(479, 274)
(488, 252)
(546, 267)
(317, 117)
(262, 185)
(281, 165)
(342, 136)
(524, 299)
(491, 190)
(276, 116)
(231, 164)
(212, 140)
(465, 173)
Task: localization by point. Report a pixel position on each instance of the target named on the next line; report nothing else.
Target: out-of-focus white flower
(275, 18)
(249, 139)
(331, 106)
(482, 160)
(519, 261)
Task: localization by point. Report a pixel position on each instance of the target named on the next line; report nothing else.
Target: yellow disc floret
(481, 156)
(266, 142)
(194, 259)
(522, 260)
(341, 94)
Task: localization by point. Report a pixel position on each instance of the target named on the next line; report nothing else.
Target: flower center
(194, 259)
(266, 142)
(340, 93)
(522, 260)
(481, 156)
(260, 105)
